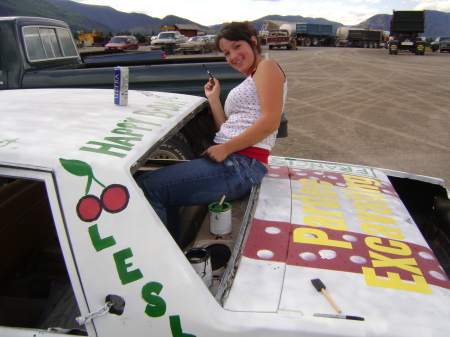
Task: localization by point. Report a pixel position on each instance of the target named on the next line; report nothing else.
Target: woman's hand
(216, 153)
(212, 88)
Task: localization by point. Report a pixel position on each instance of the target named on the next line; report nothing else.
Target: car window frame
(44, 43)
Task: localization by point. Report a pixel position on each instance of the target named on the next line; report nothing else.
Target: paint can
(200, 260)
(220, 219)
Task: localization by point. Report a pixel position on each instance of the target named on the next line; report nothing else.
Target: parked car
(125, 42)
(197, 44)
(441, 43)
(211, 37)
(167, 37)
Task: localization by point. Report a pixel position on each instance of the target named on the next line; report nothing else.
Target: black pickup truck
(41, 53)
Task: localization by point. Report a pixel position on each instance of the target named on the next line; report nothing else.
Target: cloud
(438, 5)
(369, 1)
(347, 12)
(343, 12)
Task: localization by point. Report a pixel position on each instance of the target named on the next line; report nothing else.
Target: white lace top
(242, 109)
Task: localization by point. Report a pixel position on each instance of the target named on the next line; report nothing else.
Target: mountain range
(107, 19)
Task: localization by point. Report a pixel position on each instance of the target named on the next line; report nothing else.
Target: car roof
(41, 125)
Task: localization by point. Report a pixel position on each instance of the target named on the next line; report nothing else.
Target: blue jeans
(198, 182)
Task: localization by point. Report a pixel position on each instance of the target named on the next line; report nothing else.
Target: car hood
(194, 43)
(115, 45)
(342, 224)
(163, 40)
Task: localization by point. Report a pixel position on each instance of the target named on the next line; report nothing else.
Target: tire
(375, 45)
(365, 44)
(315, 41)
(370, 44)
(202, 50)
(175, 148)
(307, 42)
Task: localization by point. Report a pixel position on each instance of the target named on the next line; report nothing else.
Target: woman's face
(239, 54)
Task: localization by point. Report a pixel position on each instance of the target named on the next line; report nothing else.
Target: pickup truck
(41, 53)
(317, 249)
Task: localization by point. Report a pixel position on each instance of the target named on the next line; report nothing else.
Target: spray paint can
(220, 218)
(121, 77)
(200, 260)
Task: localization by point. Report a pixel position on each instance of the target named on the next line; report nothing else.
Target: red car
(125, 42)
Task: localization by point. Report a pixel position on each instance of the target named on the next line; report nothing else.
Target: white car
(317, 249)
(172, 37)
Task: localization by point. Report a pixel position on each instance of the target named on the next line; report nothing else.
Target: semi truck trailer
(405, 29)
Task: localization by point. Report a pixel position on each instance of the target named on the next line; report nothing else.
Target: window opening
(35, 289)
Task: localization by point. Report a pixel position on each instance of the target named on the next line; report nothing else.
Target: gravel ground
(366, 107)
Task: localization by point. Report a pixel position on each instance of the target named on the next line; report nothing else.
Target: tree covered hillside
(43, 8)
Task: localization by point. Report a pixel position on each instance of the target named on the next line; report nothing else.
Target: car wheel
(202, 50)
(175, 148)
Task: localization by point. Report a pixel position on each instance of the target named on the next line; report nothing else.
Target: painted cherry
(115, 198)
(89, 208)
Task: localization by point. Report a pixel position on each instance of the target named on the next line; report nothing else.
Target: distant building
(188, 30)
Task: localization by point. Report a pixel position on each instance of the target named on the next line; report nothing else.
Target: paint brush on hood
(318, 284)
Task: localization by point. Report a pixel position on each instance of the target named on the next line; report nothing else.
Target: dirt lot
(364, 106)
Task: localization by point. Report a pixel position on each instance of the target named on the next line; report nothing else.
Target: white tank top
(242, 109)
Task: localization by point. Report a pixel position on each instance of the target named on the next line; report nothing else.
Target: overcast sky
(212, 12)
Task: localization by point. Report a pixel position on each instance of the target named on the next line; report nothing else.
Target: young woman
(247, 127)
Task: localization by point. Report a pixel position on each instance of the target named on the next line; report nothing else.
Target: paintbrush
(219, 207)
(210, 75)
(318, 284)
